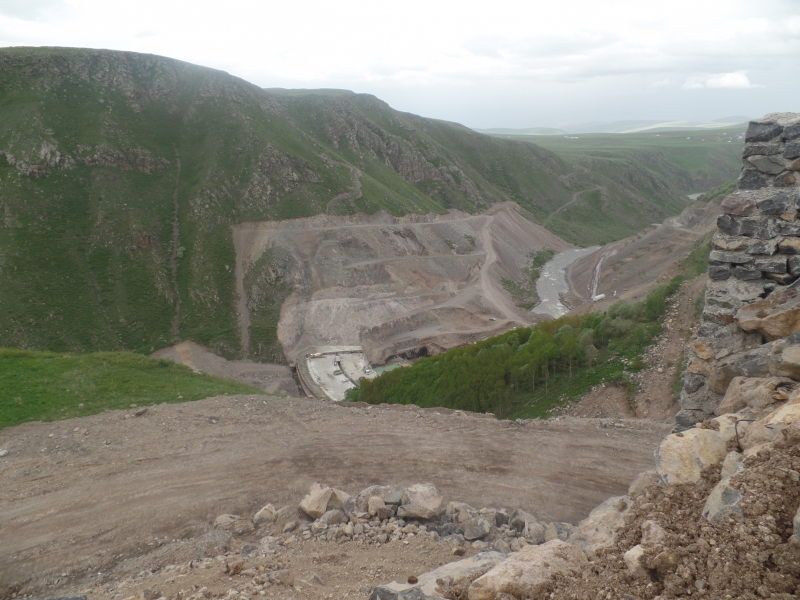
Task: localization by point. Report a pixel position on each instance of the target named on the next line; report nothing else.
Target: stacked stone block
(756, 251)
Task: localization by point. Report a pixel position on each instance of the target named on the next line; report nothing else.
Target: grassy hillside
(121, 174)
(636, 174)
(45, 386)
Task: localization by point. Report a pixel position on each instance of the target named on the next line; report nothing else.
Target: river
(553, 281)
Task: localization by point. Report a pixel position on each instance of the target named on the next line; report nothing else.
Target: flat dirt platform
(92, 494)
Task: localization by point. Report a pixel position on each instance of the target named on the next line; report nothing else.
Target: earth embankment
(95, 492)
(392, 284)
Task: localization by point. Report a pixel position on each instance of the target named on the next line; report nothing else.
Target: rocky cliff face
(752, 294)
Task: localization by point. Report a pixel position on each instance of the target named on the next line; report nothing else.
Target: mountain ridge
(122, 174)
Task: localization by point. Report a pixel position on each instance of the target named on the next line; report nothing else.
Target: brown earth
(746, 557)
(98, 494)
(630, 268)
(391, 284)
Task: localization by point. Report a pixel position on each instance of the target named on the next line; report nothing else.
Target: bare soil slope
(633, 266)
(92, 494)
(390, 284)
(276, 379)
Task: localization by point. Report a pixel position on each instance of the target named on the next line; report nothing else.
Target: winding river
(553, 281)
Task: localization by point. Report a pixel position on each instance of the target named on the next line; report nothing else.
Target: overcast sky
(498, 63)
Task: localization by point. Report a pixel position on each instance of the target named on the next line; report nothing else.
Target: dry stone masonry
(753, 291)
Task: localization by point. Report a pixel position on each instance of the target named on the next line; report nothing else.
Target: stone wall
(755, 255)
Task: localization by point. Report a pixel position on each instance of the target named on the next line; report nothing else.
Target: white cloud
(735, 80)
(504, 62)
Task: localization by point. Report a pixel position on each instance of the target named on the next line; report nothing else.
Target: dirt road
(654, 398)
(90, 493)
(393, 285)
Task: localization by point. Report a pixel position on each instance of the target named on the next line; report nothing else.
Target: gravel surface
(90, 495)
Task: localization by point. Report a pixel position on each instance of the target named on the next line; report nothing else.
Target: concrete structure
(329, 371)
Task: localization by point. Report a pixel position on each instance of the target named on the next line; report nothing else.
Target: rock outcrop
(752, 295)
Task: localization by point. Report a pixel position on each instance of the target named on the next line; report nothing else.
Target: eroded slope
(391, 284)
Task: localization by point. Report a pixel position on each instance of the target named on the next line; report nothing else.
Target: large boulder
(476, 529)
(681, 457)
(723, 501)
(529, 572)
(320, 499)
(776, 316)
(785, 415)
(528, 526)
(420, 501)
(796, 528)
(756, 393)
(784, 360)
(599, 529)
(436, 583)
(642, 482)
(751, 363)
(358, 504)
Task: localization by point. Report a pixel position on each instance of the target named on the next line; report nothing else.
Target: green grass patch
(718, 193)
(526, 372)
(47, 386)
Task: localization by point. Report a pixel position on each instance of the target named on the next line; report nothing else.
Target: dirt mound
(750, 557)
(389, 284)
(276, 379)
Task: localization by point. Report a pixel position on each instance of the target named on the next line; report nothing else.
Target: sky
(498, 63)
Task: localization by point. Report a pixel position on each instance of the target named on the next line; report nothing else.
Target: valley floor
(93, 495)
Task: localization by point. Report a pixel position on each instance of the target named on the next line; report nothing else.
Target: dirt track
(392, 284)
(90, 493)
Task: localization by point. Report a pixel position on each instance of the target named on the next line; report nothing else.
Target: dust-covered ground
(103, 494)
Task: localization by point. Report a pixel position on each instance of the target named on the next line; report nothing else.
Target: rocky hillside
(121, 175)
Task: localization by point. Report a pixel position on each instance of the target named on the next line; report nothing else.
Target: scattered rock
(333, 517)
(320, 499)
(420, 501)
(476, 529)
(315, 503)
(265, 514)
(633, 560)
(653, 534)
(723, 501)
(529, 572)
(561, 531)
(681, 457)
(436, 583)
(598, 530)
